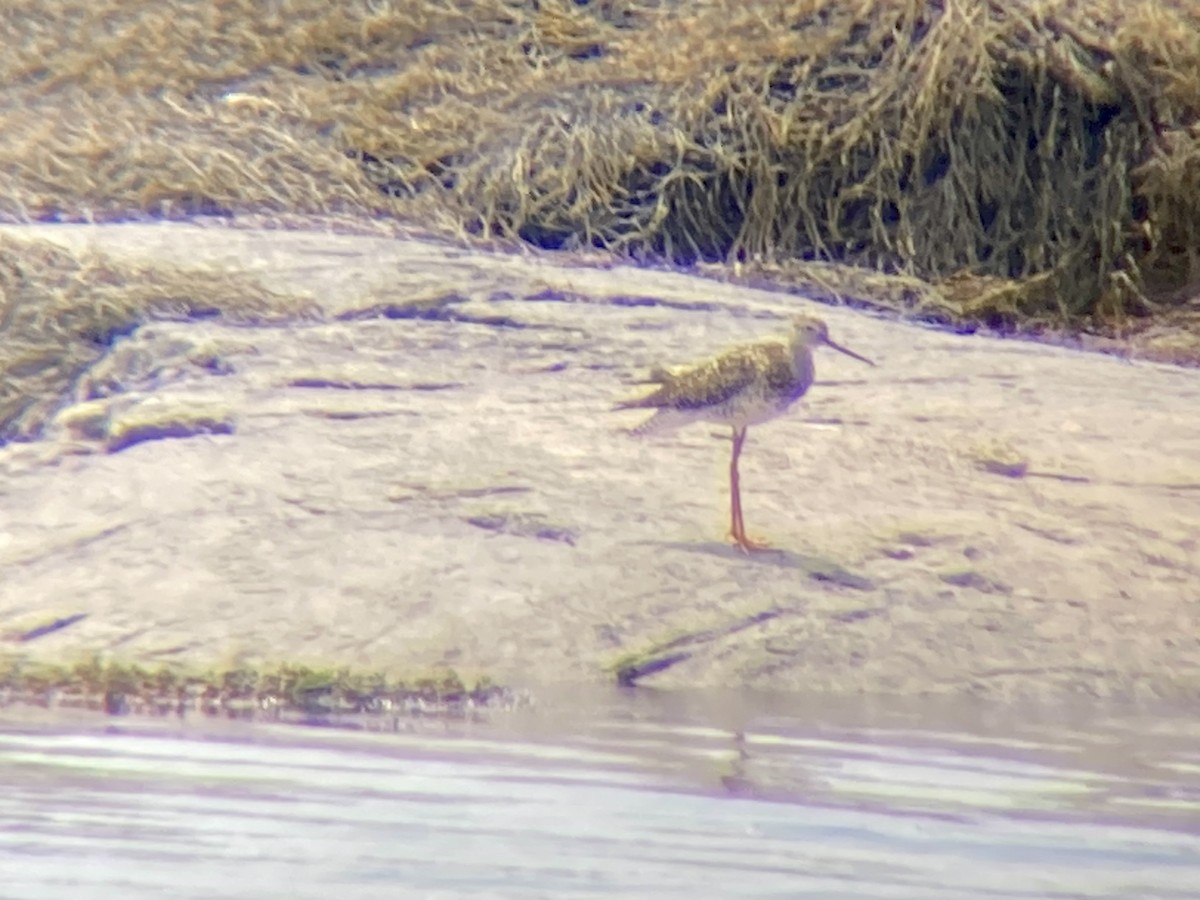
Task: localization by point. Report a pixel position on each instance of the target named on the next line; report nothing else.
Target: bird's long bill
(840, 349)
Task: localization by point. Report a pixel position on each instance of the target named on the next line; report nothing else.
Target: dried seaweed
(1023, 160)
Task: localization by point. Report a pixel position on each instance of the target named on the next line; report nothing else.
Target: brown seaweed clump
(59, 311)
(1009, 162)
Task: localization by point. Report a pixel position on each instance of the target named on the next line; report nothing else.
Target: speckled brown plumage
(744, 386)
(746, 382)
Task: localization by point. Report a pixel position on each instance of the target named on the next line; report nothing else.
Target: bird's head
(811, 332)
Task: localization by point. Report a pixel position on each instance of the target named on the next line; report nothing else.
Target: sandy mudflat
(972, 516)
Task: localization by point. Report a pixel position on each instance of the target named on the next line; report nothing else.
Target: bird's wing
(713, 382)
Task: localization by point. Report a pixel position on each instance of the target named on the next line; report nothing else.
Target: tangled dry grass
(1020, 163)
(59, 311)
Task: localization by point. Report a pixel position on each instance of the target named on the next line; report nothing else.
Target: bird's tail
(662, 420)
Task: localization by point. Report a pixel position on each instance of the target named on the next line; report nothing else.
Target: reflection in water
(617, 796)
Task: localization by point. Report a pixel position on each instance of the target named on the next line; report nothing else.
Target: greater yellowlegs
(747, 385)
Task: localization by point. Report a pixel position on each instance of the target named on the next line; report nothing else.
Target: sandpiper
(747, 385)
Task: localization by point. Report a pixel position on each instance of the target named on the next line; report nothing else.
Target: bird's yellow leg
(737, 528)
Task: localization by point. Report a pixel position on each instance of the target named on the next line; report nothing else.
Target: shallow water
(600, 794)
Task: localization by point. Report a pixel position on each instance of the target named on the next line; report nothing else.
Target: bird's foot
(745, 544)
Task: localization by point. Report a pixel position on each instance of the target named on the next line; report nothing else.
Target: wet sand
(400, 489)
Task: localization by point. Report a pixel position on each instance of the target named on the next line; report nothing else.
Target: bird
(746, 385)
